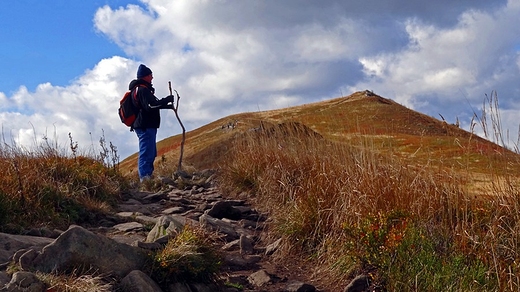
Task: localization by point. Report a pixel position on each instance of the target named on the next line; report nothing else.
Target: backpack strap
(135, 101)
(134, 96)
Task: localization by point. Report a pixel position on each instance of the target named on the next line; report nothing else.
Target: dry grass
(76, 283)
(352, 210)
(189, 256)
(416, 203)
(392, 129)
(46, 186)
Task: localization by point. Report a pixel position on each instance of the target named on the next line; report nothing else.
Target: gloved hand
(170, 98)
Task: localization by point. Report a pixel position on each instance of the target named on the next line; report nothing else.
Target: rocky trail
(143, 222)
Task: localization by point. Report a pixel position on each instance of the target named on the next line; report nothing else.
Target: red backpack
(129, 107)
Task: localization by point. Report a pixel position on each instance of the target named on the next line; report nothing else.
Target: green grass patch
(426, 262)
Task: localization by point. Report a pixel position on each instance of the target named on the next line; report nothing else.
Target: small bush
(189, 256)
(422, 262)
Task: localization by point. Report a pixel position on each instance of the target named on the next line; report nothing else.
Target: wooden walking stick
(175, 107)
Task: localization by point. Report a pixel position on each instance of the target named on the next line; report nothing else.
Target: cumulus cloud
(226, 57)
(442, 69)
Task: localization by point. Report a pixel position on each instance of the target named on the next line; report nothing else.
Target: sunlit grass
(49, 185)
(76, 283)
(189, 256)
(351, 210)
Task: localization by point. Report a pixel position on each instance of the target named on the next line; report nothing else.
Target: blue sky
(66, 64)
(51, 41)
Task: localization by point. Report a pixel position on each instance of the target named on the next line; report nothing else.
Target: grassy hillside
(45, 186)
(359, 120)
(362, 185)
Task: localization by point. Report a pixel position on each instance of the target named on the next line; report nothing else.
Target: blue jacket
(148, 105)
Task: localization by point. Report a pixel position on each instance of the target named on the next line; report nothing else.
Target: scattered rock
(200, 287)
(225, 209)
(26, 282)
(25, 258)
(180, 287)
(359, 284)
(121, 243)
(259, 279)
(165, 226)
(12, 243)
(173, 210)
(137, 281)
(43, 232)
(4, 279)
(152, 198)
(246, 245)
(300, 287)
(237, 262)
(220, 226)
(129, 226)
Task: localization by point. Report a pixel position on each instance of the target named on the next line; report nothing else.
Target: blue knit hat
(143, 71)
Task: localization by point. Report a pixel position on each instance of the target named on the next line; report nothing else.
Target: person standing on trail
(148, 119)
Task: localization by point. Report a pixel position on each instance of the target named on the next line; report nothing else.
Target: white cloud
(85, 108)
(226, 57)
(473, 56)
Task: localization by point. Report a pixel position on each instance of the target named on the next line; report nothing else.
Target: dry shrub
(351, 210)
(46, 186)
(76, 283)
(189, 256)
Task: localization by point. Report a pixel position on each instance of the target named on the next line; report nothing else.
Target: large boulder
(78, 248)
(12, 243)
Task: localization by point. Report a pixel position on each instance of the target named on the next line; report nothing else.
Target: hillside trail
(250, 259)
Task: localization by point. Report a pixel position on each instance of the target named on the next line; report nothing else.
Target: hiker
(148, 119)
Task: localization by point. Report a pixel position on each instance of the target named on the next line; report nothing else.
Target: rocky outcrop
(121, 245)
(11, 243)
(80, 249)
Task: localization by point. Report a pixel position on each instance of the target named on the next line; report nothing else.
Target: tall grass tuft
(351, 210)
(49, 186)
(77, 283)
(189, 256)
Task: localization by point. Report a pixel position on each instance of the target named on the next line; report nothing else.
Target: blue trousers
(147, 151)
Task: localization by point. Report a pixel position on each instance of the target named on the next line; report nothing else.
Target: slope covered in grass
(349, 210)
(47, 187)
(361, 184)
(358, 120)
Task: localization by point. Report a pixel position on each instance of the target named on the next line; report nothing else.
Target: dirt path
(249, 262)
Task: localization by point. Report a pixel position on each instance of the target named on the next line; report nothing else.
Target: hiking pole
(175, 108)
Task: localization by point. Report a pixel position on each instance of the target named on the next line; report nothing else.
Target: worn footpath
(145, 221)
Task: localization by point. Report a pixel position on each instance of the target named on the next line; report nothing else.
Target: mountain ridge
(360, 118)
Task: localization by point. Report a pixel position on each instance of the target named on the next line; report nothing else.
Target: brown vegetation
(45, 186)
(364, 185)
(388, 127)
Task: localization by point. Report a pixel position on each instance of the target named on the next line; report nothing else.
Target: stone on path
(78, 247)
